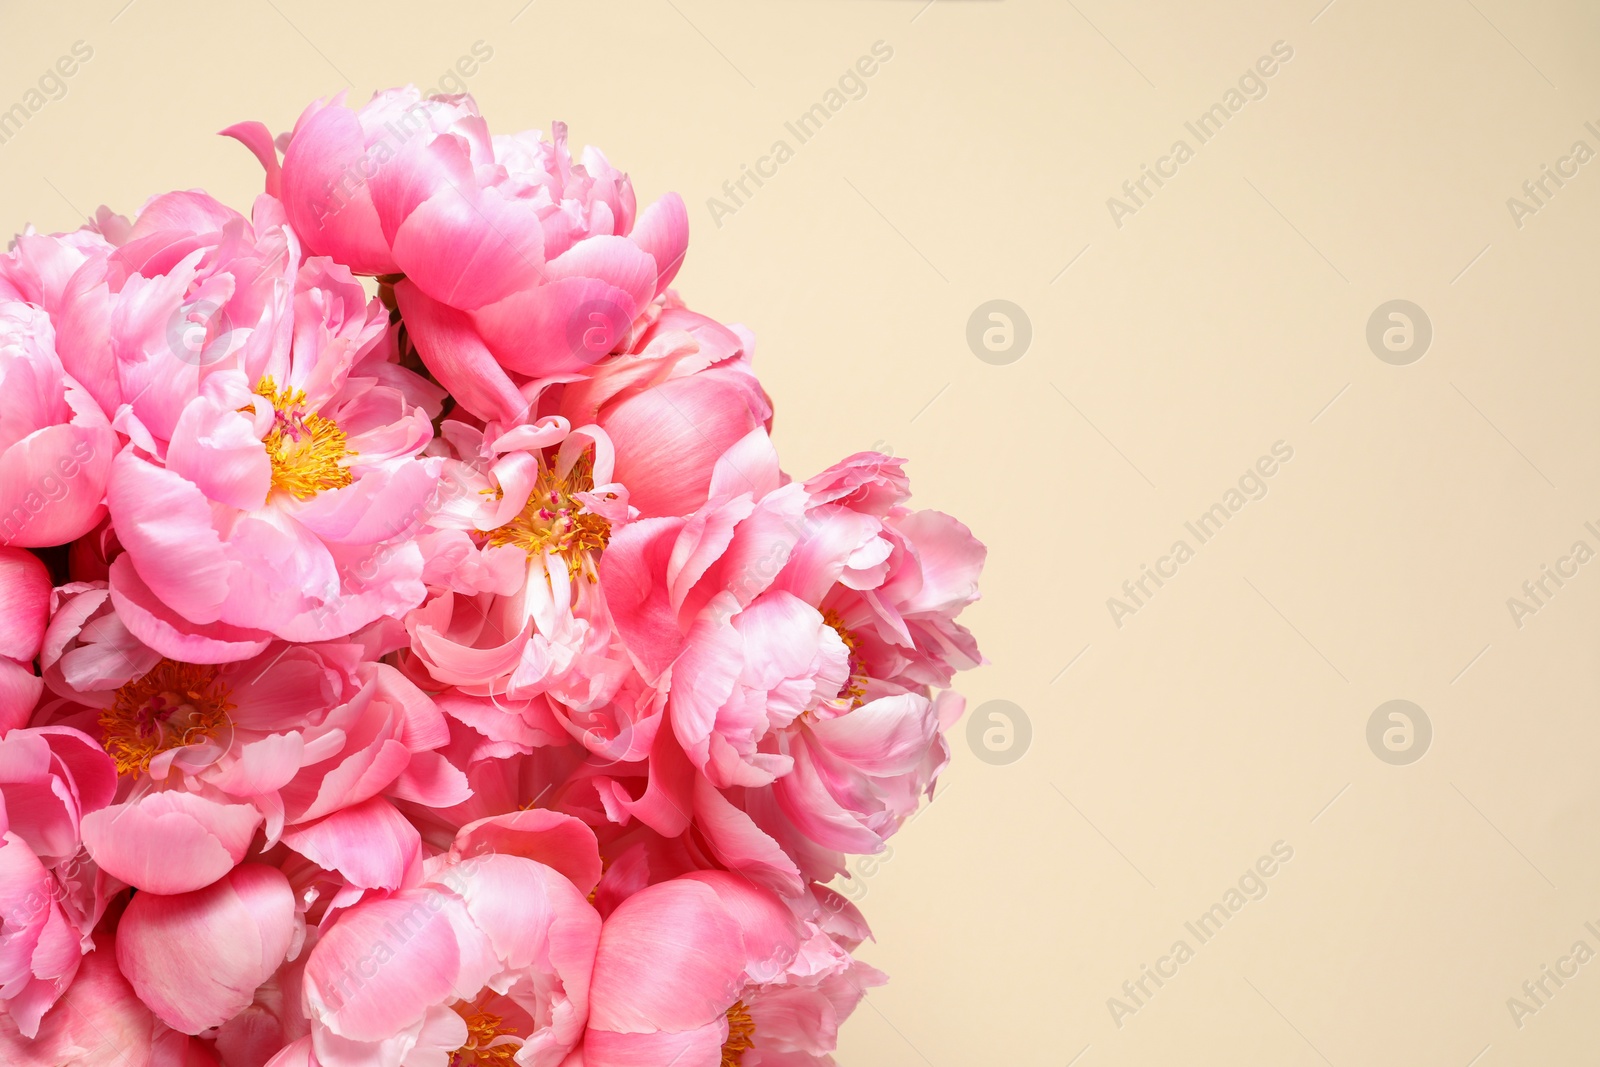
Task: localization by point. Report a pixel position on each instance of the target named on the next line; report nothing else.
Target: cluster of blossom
(411, 652)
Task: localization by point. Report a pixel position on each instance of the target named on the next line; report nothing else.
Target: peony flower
(272, 486)
(487, 961)
(509, 260)
(209, 753)
(55, 442)
(672, 404)
(521, 630)
(51, 898)
(795, 631)
(707, 970)
(99, 1022)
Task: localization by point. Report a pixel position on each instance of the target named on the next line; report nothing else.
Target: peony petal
(371, 844)
(24, 603)
(671, 958)
(197, 958)
(170, 842)
(662, 232)
(452, 349)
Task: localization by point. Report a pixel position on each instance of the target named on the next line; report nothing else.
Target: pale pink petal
(371, 844)
(170, 842)
(383, 965)
(197, 958)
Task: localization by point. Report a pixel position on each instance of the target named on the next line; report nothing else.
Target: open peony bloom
(520, 629)
(707, 970)
(55, 442)
(508, 258)
(487, 962)
(271, 489)
(209, 753)
(795, 631)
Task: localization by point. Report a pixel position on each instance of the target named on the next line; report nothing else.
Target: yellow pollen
(171, 705)
(856, 688)
(741, 1034)
(307, 450)
(553, 518)
(483, 1029)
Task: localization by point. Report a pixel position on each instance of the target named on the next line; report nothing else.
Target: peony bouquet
(412, 650)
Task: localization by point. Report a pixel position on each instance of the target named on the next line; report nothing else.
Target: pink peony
(51, 897)
(209, 753)
(515, 260)
(272, 486)
(491, 956)
(197, 958)
(99, 1022)
(55, 443)
(708, 970)
(795, 631)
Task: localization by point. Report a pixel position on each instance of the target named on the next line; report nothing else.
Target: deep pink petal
(452, 349)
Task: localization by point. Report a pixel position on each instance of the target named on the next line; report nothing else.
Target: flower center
(554, 518)
(856, 688)
(306, 450)
(484, 1028)
(172, 705)
(741, 1031)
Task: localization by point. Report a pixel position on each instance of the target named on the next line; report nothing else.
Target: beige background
(1227, 314)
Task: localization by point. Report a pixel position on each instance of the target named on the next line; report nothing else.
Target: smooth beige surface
(1226, 313)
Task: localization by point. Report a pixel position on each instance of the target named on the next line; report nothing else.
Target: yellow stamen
(483, 1029)
(856, 688)
(554, 518)
(172, 705)
(741, 1034)
(307, 450)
